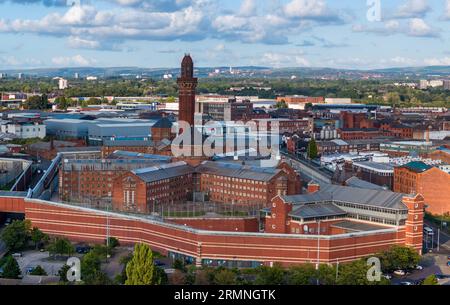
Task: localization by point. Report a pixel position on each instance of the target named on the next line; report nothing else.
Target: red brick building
(397, 130)
(344, 210)
(355, 120)
(92, 180)
(286, 125)
(431, 182)
(295, 99)
(144, 190)
(358, 133)
(140, 190)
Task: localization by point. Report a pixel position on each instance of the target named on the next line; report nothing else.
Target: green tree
(140, 269)
(312, 149)
(113, 242)
(270, 275)
(38, 271)
(281, 105)
(36, 102)
(398, 257)
(160, 276)
(431, 280)
(37, 236)
(17, 234)
(225, 277)
(11, 268)
(302, 275)
(61, 246)
(63, 273)
(62, 102)
(355, 273)
(326, 275)
(179, 265)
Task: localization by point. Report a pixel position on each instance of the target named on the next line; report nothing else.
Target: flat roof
(356, 226)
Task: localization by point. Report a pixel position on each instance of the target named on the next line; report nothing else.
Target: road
(308, 170)
(444, 238)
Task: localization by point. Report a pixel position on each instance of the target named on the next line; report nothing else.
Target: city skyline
(289, 33)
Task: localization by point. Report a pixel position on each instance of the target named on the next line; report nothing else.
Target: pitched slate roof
(377, 198)
(359, 183)
(163, 123)
(237, 170)
(166, 171)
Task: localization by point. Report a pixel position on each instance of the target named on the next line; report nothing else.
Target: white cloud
(279, 60)
(248, 8)
(76, 60)
(13, 61)
(79, 43)
(437, 61)
(418, 27)
(306, 8)
(413, 8)
(414, 27)
(447, 10)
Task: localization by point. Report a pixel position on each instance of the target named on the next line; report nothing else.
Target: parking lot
(432, 263)
(31, 259)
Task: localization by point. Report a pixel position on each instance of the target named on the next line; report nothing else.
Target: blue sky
(277, 33)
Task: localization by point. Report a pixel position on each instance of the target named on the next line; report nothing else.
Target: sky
(352, 34)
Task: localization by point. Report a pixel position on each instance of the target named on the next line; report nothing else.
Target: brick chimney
(313, 187)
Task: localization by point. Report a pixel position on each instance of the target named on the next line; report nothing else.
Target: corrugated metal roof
(317, 210)
(378, 198)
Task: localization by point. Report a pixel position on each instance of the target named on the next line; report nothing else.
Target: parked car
(17, 255)
(441, 276)
(30, 269)
(82, 249)
(419, 267)
(159, 263)
(399, 272)
(406, 283)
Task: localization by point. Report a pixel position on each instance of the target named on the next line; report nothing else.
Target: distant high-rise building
(76, 76)
(435, 83)
(187, 85)
(20, 75)
(423, 84)
(447, 84)
(3, 75)
(62, 84)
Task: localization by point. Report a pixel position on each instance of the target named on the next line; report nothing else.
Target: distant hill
(244, 71)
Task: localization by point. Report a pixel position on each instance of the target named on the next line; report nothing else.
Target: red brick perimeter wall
(86, 225)
(219, 224)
